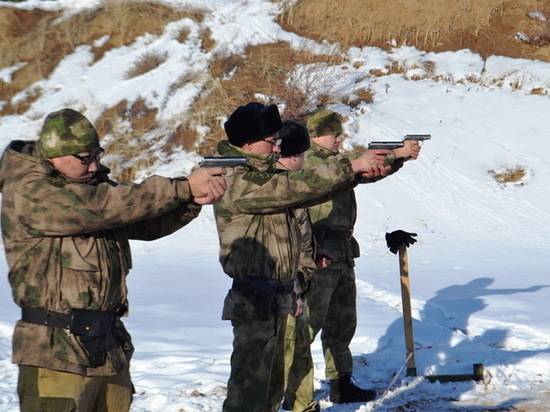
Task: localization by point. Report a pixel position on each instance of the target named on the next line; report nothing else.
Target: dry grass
(127, 131)
(147, 62)
(484, 26)
(261, 77)
(508, 175)
(39, 39)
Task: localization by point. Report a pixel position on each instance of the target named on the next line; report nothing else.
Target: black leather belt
(46, 317)
(243, 285)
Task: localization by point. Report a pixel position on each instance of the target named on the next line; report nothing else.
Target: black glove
(398, 238)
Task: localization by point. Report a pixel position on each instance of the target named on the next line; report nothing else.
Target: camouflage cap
(67, 132)
(324, 122)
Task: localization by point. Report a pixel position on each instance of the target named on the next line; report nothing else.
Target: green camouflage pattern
(331, 297)
(67, 247)
(299, 364)
(260, 236)
(336, 214)
(258, 232)
(332, 310)
(257, 366)
(331, 294)
(297, 337)
(307, 264)
(67, 132)
(324, 122)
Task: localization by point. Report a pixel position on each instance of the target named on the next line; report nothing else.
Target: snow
(478, 272)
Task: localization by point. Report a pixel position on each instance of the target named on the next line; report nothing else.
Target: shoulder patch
(258, 178)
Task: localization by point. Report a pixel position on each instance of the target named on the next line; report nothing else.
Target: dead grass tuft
(208, 43)
(360, 96)
(509, 175)
(147, 62)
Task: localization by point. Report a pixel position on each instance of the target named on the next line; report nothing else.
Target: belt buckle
(349, 234)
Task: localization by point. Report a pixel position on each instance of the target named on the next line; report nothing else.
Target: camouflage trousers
(256, 383)
(332, 309)
(46, 390)
(299, 364)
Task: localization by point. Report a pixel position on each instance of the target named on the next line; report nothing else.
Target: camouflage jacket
(256, 220)
(306, 266)
(67, 246)
(333, 221)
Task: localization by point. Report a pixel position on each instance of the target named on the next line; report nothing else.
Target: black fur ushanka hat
(250, 123)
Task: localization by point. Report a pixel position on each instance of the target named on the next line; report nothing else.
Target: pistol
(385, 145)
(418, 137)
(213, 161)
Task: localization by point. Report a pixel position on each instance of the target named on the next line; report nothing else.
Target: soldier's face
(293, 162)
(269, 144)
(330, 142)
(73, 167)
(297, 161)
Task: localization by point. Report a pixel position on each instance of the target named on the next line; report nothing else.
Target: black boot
(343, 390)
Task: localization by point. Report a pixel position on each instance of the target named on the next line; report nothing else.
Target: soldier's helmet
(66, 132)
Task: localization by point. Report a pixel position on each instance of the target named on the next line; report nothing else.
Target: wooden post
(407, 312)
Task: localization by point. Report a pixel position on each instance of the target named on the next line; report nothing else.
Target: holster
(94, 329)
(91, 323)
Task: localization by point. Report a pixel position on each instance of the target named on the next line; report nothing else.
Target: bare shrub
(203, 129)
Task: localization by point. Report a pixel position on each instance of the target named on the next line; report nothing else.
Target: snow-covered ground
(479, 272)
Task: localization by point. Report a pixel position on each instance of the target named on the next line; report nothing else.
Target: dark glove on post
(399, 237)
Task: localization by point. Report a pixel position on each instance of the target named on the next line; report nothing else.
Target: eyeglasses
(92, 157)
(276, 142)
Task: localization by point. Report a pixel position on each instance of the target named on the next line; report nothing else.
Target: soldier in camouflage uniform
(66, 227)
(332, 293)
(260, 248)
(294, 142)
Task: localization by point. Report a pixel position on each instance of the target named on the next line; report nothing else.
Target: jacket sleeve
(253, 192)
(165, 224)
(395, 166)
(46, 209)
(307, 265)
